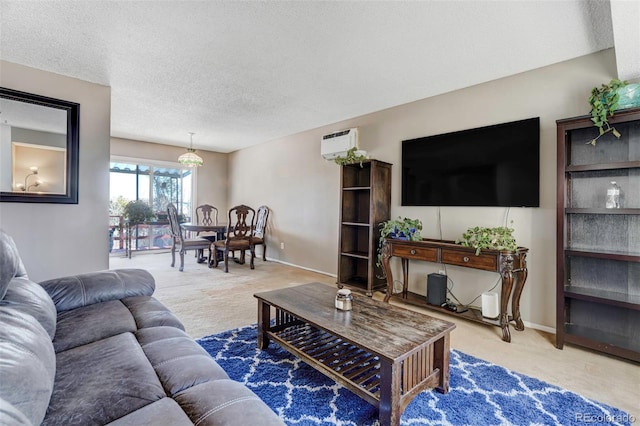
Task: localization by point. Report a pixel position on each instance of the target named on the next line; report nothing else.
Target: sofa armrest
(87, 289)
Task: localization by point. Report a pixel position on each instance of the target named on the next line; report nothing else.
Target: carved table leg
(386, 255)
(405, 277)
(521, 277)
(507, 284)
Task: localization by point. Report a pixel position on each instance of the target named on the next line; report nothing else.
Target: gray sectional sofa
(99, 349)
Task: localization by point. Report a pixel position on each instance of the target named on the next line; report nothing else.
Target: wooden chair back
(176, 230)
(206, 214)
(241, 223)
(182, 243)
(261, 221)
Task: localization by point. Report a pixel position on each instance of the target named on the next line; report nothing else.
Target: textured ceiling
(242, 73)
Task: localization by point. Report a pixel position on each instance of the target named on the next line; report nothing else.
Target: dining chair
(206, 214)
(179, 242)
(241, 222)
(259, 232)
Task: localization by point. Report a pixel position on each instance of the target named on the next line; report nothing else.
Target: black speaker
(436, 289)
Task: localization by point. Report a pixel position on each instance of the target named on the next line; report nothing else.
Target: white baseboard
(535, 326)
(301, 267)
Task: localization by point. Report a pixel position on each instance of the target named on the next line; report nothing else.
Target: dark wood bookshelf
(365, 202)
(602, 211)
(596, 339)
(604, 166)
(604, 254)
(613, 298)
(598, 249)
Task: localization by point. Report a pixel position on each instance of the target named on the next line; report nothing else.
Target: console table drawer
(488, 262)
(430, 254)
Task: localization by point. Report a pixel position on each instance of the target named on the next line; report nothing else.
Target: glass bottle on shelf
(613, 196)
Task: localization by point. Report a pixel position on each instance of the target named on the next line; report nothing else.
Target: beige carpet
(208, 301)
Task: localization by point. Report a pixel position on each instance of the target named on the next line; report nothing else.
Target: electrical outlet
(281, 246)
(442, 272)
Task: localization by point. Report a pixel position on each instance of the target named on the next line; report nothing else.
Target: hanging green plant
(604, 101)
(499, 238)
(352, 156)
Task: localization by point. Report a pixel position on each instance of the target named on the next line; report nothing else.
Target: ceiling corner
(625, 18)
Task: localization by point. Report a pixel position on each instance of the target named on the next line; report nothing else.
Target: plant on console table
(499, 238)
(401, 229)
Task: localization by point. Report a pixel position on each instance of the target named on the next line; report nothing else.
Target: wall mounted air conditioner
(338, 143)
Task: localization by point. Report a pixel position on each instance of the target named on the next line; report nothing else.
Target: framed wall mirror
(39, 144)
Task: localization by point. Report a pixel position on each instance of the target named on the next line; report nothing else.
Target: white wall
(302, 192)
(62, 239)
(301, 188)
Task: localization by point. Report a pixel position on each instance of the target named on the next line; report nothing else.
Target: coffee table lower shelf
(383, 383)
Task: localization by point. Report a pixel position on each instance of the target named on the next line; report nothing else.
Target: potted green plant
(499, 238)
(400, 228)
(137, 212)
(604, 101)
(352, 156)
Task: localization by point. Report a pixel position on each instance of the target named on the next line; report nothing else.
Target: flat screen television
(496, 166)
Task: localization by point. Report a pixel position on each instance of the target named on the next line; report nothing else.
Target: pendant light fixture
(190, 158)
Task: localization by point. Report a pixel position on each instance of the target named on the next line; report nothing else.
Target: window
(156, 184)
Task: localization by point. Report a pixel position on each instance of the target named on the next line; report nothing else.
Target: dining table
(219, 229)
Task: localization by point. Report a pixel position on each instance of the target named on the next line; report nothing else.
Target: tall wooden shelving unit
(365, 204)
(598, 249)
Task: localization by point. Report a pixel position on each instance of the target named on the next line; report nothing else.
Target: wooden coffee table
(383, 353)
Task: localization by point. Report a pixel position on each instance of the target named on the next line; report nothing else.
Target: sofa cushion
(11, 416)
(102, 381)
(27, 296)
(27, 365)
(179, 361)
(163, 412)
(91, 323)
(149, 312)
(10, 263)
(86, 289)
(221, 402)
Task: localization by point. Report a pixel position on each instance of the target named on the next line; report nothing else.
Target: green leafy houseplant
(352, 157)
(137, 212)
(400, 228)
(499, 238)
(604, 101)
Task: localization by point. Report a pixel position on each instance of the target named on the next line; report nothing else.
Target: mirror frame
(73, 145)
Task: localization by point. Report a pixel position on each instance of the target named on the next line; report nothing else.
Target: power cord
(397, 289)
(506, 217)
(444, 267)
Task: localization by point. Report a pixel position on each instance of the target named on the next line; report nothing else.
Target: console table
(511, 265)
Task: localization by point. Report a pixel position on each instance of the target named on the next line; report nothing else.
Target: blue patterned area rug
(481, 393)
